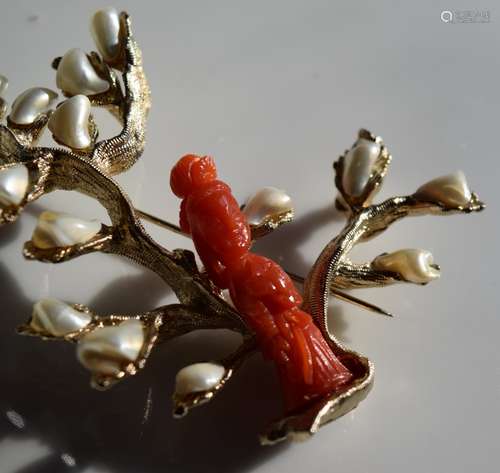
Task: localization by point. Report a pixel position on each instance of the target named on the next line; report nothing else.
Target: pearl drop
(413, 265)
(106, 350)
(32, 103)
(4, 84)
(76, 75)
(358, 166)
(57, 318)
(14, 182)
(451, 191)
(58, 229)
(198, 377)
(265, 203)
(105, 29)
(70, 122)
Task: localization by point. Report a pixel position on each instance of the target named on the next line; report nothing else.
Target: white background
(275, 91)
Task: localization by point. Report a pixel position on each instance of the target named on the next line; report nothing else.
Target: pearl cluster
(77, 78)
(105, 350)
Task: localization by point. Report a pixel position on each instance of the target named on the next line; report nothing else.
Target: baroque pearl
(105, 29)
(4, 84)
(198, 377)
(265, 203)
(107, 349)
(76, 75)
(358, 166)
(413, 265)
(14, 183)
(32, 103)
(58, 229)
(70, 122)
(451, 190)
(57, 318)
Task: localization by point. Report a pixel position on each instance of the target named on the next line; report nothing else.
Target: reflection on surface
(15, 419)
(18, 454)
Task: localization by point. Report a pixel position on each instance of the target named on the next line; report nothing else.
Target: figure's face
(192, 172)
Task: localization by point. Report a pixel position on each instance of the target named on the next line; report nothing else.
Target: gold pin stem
(160, 223)
(339, 294)
(347, 297)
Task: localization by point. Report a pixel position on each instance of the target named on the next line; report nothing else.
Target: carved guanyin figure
(259, 288)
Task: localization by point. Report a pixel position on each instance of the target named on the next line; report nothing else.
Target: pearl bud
(359, 163)
(55, 230)
(413, 265)
(107, 350)
(198, 377)
(266, 203)
(69, 123)
(451, 191)
(105, 29)
(14, 182)
(31, 104)
(57, 318)
(76, 75)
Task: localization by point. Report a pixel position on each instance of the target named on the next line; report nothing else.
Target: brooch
(234, 288)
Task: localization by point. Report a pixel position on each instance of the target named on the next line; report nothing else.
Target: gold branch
(334, 270)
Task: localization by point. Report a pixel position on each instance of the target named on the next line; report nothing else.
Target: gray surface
(275, 91)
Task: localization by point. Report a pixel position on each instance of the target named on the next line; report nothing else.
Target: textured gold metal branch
(364, 222)
(111, 156)
(162, 324)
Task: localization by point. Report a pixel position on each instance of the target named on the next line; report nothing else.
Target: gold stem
(161, 223)
(359, 302)
(339, 294)
(347, 297)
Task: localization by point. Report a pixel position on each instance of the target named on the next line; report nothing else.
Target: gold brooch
(114, 347)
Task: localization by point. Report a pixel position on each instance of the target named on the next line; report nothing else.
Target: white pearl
(265, 203)
(31, 104)
(105, 29)
(70, 122)
(76, 75)
(451, 190)
(413, 265)
(14, 183)
(358, 166)
(57, 318)
(198, 377)
(4, 84)
(58, 229)
(106, 350)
